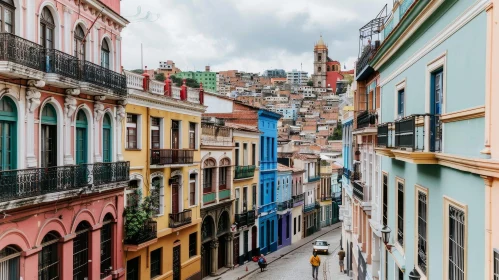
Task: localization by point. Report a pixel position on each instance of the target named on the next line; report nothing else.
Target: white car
(321, 246)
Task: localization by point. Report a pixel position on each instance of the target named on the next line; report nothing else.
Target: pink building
(62, 174)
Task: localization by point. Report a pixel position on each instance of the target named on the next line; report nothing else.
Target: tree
(337, 133)
(137, 71)
(160, 77)
(189, 82)
(310, 83)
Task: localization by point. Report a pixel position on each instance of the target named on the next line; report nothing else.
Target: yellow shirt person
(315, 260)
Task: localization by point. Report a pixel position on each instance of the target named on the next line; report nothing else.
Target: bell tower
(320, 59)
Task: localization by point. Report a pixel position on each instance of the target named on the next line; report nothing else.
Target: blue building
(284, 205)
(267, 124)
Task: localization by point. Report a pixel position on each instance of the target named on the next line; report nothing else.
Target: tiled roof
(283, 168)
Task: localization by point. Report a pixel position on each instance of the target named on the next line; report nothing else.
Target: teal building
(209, 79)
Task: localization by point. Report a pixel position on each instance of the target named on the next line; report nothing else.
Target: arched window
(47, 26)
(104, 54)
(157, 195)
(10, 264)
(49, 136)
(106, 245)
(106, 139)
(79, 45)
(48, 257)
(8, 128)
(7, 9)
(81, 137)
(81, 252)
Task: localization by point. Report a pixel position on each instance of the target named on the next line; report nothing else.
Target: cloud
(248, 35)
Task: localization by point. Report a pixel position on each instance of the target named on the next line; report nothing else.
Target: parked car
(321, 246)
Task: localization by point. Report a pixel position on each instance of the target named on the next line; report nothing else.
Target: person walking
(315, 261)
(341, 257)
(262, 263)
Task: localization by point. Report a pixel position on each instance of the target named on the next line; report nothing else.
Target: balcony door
(106, 139)
(79, 45)
(47, 26)
(81, 138)
(175, 141)
(8, 128)
(49, 137)
(436, 98)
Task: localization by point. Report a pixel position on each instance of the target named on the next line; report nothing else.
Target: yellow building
(162, 143)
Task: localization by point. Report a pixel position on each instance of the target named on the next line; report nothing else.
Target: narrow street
(296, 264)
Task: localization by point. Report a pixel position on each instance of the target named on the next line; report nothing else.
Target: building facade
(284, 205)
(162, 142)
(298, 202)
(295, 77)
(62, 169)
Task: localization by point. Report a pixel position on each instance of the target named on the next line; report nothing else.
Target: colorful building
(62, 172)
(162, 142)
(284, 205)
(209, 79)
(298, 201)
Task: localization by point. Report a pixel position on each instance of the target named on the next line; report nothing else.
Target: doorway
(222, 249)
(49, 137)
(253, 241)
(132, 269)
(206, 253)
(175, 197)
(236, 251)
(176, 262)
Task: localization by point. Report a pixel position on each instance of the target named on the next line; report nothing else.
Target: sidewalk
(240, 271)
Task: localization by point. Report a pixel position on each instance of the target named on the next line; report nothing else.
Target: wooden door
(175, 199)
(176, 262)
(236, 250)
(253, 239)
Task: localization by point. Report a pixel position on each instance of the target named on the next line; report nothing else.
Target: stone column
(94, 254)
(229, 250)
(120, 116)
(69, 110)
(98, 114)
(32, 103)
(214, 257)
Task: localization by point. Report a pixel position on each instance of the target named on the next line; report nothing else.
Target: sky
(245, 35)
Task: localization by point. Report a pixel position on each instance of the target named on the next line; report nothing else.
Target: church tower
(320, 59)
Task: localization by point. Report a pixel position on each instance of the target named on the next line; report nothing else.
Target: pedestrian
(341, 257)
(315, 261)
(262, 263)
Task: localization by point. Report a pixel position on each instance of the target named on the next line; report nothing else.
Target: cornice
(108, 12)
(466, 114)
(165, 103)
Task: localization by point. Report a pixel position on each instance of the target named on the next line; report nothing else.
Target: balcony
(244, 172)
(29, 54)
(298, 200)
(209, 198)
(310, 207)
(180, 219)
(223, 195)
(358, 190)
(245, 219)
(149, 232)
(313, 178)
(346, 172)
(171, 156)
(267, 209)
(366, 119)
(325, 197)
(283, 206)
(363, 61)
(28, 183)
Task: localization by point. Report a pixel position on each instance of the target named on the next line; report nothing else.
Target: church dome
(320, 44)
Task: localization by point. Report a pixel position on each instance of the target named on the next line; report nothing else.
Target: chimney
(207, 68)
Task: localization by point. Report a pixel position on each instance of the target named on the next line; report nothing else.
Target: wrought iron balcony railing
(149, 232)
(310, 207)
(367, 53)
(180, 219)
(21, 51)
(346, 172)
(23, 183)
(288, 204)
(298, 200)
(245, 219)
(365, 119)
(171, 156)
(35, 56)
(385, 135)
(358, 190)
(411, 133)
(243, 172)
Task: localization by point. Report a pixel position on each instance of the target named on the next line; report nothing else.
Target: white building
(296, 77)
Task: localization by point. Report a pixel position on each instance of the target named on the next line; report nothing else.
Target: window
(253, 154)
(192, 189)
(400, 103)
(192, 136)
(48, 257)
(237, 154)
(385, 199)
(49, 136)
(10, 262)
(245, 154)
(131, 131)
(175, 134)
(106, 244)
(104, 54)
(157, 195)
(299, 223)
(237, 201)
(254, 196)
(132, 194)
(287, 226)
(47, 26)
(222, 178)
(7, 16)
(400, 213)
(156, 263)
(155, 133)
(245, 199)
(79, 45)
(193, 240)
(422, 239)
(294, 226)
(456, 241)
(81, 251)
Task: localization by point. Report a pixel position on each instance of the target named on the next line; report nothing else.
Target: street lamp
(385, 233)
(414, 275)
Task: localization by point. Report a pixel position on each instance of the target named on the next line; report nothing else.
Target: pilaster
(32, 103)
(120, 116)
(69, 110)
(214, 256)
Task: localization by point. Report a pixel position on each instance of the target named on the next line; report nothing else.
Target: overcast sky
(247, 35)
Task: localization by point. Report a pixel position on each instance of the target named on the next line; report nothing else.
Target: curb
(306, 243)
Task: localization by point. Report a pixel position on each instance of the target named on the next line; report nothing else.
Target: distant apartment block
(296, 77)
(208, 78)
(274, 73)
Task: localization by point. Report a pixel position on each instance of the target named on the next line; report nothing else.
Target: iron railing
(180, 219)
(171, 156)
(35, 56)
(411, 132)
(21, 51)
(148, 232)
(310, 207)
(298, 199)
(245, 219)
(23, 183)
(358, 190)
(365, 119)
(242, 172)
(364, 58)
(384, 136)
(288, 204)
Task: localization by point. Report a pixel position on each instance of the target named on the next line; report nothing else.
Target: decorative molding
(475, 9)
(73, 91)
(36, 83)
(69, 106)
(32, 99)
(120, 113)
(466, 114)
(415, 157)
(99, 111)
(176, 173)
(387, 152)
(100, 98)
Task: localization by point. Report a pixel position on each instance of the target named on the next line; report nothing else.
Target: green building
(209, 79)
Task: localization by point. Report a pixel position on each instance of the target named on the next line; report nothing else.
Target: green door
(8, 124)
(106, 139)
(81, 138)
